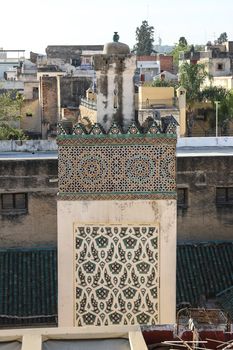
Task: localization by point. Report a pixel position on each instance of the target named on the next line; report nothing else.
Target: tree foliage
(212, 94)
(226, 108)
(225, 98)
(10, 106)
(9, 133)
(10, 110)
(222, 38)
(191, 77)
(183, 42)
(199, 47)
(182, 45)
(144, 39)
(164, 83)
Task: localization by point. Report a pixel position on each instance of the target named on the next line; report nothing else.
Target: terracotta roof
(147, 58)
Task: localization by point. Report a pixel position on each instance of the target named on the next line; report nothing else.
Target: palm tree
(191, 77)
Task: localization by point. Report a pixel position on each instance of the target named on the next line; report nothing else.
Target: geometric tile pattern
(104, 167)
(116, 274)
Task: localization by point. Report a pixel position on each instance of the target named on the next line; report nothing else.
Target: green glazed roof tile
(28, 280)
(203, 269)
(28, 286)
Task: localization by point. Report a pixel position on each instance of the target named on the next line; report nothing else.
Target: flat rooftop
(29, 155)
(212, 151)
(204, 151)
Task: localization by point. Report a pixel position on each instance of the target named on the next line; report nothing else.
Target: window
(224, 196)
(35, 93)
(14, 203)
(219, 66)
(182, 197)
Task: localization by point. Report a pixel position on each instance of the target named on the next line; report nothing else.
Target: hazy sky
(32, 25)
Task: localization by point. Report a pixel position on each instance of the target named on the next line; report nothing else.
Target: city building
(89, 236)
(218, 61)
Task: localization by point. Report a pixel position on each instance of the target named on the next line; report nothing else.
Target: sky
(32, 26)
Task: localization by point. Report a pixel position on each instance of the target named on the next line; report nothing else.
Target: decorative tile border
(115, 196)
(168, 126)
(117, 166)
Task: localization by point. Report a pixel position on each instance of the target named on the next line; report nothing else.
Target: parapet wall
(27, 145)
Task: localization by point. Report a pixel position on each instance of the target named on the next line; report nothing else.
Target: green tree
(192, 77)
(10, 106)
(225, 98)
(212, 94)
(144, 39)
(9, 133)
(181, 46)
(222, 38)
(226, 112)
(10, 110)
(163, 83)
(199, 47)
(183, 42)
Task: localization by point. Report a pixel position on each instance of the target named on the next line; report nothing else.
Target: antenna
(214, 37)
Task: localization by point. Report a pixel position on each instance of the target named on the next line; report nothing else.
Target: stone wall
(72, 88)
(36, 225)
(31, 121)
(68, 52)
(202, 218)
(28, 145)
(49, 99)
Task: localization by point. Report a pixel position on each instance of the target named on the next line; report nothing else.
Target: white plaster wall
(27, 145)
(117, 212)
(223, 81)
(214, 66)
(105, 104)
(51, 145)
(128, 109)
(205, 141)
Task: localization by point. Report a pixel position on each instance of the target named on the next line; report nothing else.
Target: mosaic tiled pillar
(116, 227)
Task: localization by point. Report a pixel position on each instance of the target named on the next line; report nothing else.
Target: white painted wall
(128, 109)
(27, 145)
(205, 141)
(105, 103)
(51, 145)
